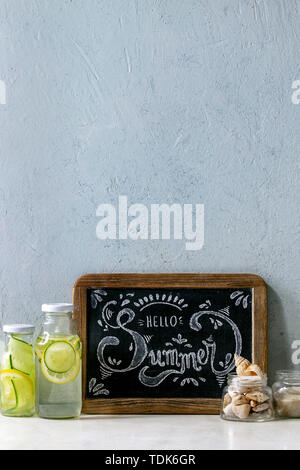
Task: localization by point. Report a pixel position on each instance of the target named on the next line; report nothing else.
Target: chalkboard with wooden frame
(165, 343)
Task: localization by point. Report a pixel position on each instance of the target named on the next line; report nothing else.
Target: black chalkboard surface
(156, 342)
(163, 342)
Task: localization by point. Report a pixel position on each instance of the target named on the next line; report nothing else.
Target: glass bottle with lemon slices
(58, 364)
(17, 374)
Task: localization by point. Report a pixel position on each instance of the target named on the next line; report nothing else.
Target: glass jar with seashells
(247, 396)
(286, 391)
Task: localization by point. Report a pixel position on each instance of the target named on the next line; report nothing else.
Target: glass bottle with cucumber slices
(17, 374)
(58, 364)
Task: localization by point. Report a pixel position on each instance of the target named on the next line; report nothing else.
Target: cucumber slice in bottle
(59, 357)
(43, 342)
(11, 365)
(21, 355)
(74, 340)
(16, 395)
(62, 377)
(22, 344)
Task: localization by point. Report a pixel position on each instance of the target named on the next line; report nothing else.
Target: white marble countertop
(157, 432)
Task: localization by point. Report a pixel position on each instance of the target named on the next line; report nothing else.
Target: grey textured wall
(175, 101)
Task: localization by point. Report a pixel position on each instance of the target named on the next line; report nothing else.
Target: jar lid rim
(247, 377)
(288, 372)
(57, 307)
(247, 380)
(18, 328)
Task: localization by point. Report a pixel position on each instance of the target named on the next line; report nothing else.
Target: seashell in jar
(227, 410)
(257, 396)
(241, 364)
(241, 411)
(267, 414)
(261, 407)
(232, 391)
(226, 400)
(240, 400)
(254, 369)
(253, 403)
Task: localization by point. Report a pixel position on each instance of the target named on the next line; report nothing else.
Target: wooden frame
(200, 281)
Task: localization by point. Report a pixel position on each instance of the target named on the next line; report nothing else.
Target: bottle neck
(58, 323)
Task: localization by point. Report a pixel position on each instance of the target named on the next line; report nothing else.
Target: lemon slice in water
(16, 390)
(9, 397)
